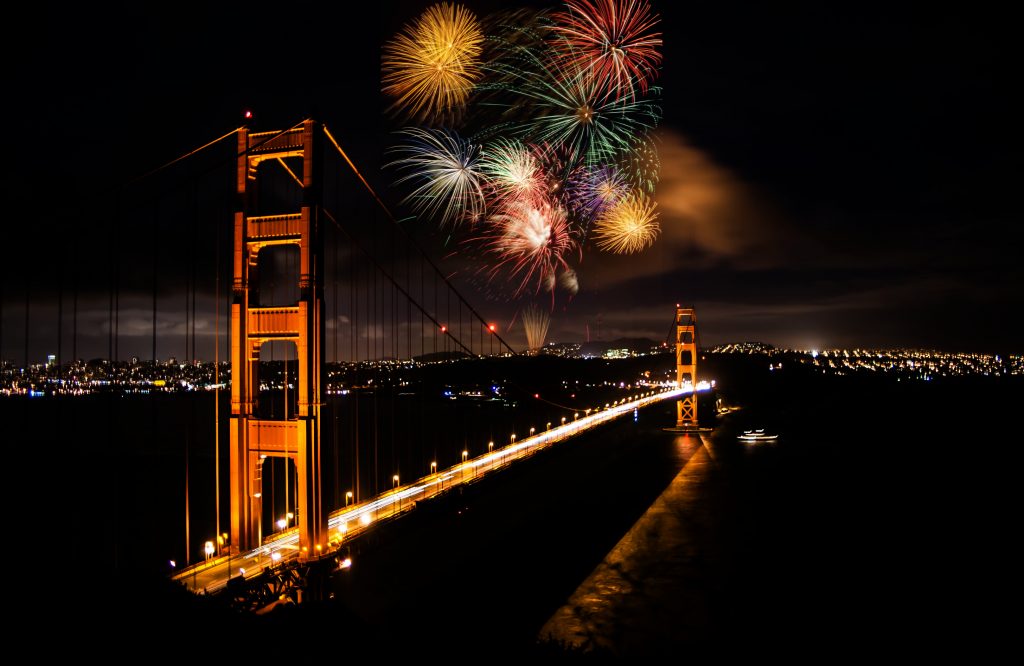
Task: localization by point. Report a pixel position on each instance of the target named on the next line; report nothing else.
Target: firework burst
(593, 191)
(560, 107)
(445, 171)
(629, 226)
(543, 103)
(432, 65)
(641, 164)
(574, 113)
(529, 241)
(512, 171)
(612, 41)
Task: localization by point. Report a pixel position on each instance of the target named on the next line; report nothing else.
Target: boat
(758, 435)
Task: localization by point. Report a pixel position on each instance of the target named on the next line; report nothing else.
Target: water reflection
(654, 571)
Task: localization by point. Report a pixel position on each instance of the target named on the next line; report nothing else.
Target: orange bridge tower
(296, 436)
(686, 366)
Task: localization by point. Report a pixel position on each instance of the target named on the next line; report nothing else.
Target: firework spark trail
(611, 41)
(444, 167)
(432, 65)
(535, 323)
(629, 226)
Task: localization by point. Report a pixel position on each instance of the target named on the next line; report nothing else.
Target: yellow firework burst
(631, 225)
(432, 65)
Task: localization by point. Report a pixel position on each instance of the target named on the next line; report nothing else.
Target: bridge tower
(686, 365)
(298, 436)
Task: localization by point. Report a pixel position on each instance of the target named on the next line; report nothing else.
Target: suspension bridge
(351, 377)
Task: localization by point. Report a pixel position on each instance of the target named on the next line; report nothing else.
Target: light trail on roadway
(347, 523)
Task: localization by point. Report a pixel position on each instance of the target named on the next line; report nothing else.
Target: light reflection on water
(649, 571)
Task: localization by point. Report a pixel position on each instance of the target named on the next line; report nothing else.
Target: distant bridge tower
(686, 366)
(298, 437)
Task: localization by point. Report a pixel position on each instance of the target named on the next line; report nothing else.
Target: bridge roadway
(344, 524)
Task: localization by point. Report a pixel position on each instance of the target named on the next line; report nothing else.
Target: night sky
(832, 175)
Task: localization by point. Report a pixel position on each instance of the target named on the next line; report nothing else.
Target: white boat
(758, 435)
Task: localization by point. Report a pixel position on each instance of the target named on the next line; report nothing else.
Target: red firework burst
(612, 39)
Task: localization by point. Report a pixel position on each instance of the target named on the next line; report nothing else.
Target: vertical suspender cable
(408, 302)
(74, 313)
(60, 313)
(353, 333)
(190, 279)
(110, 294)
(376, 389)
(2, 282)
(338, 366)
(216, 374)
(156, 271)
(117, 282)
(394, 355)
(2, 321)
(28, 307)
(112, 263)
(188, 546)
